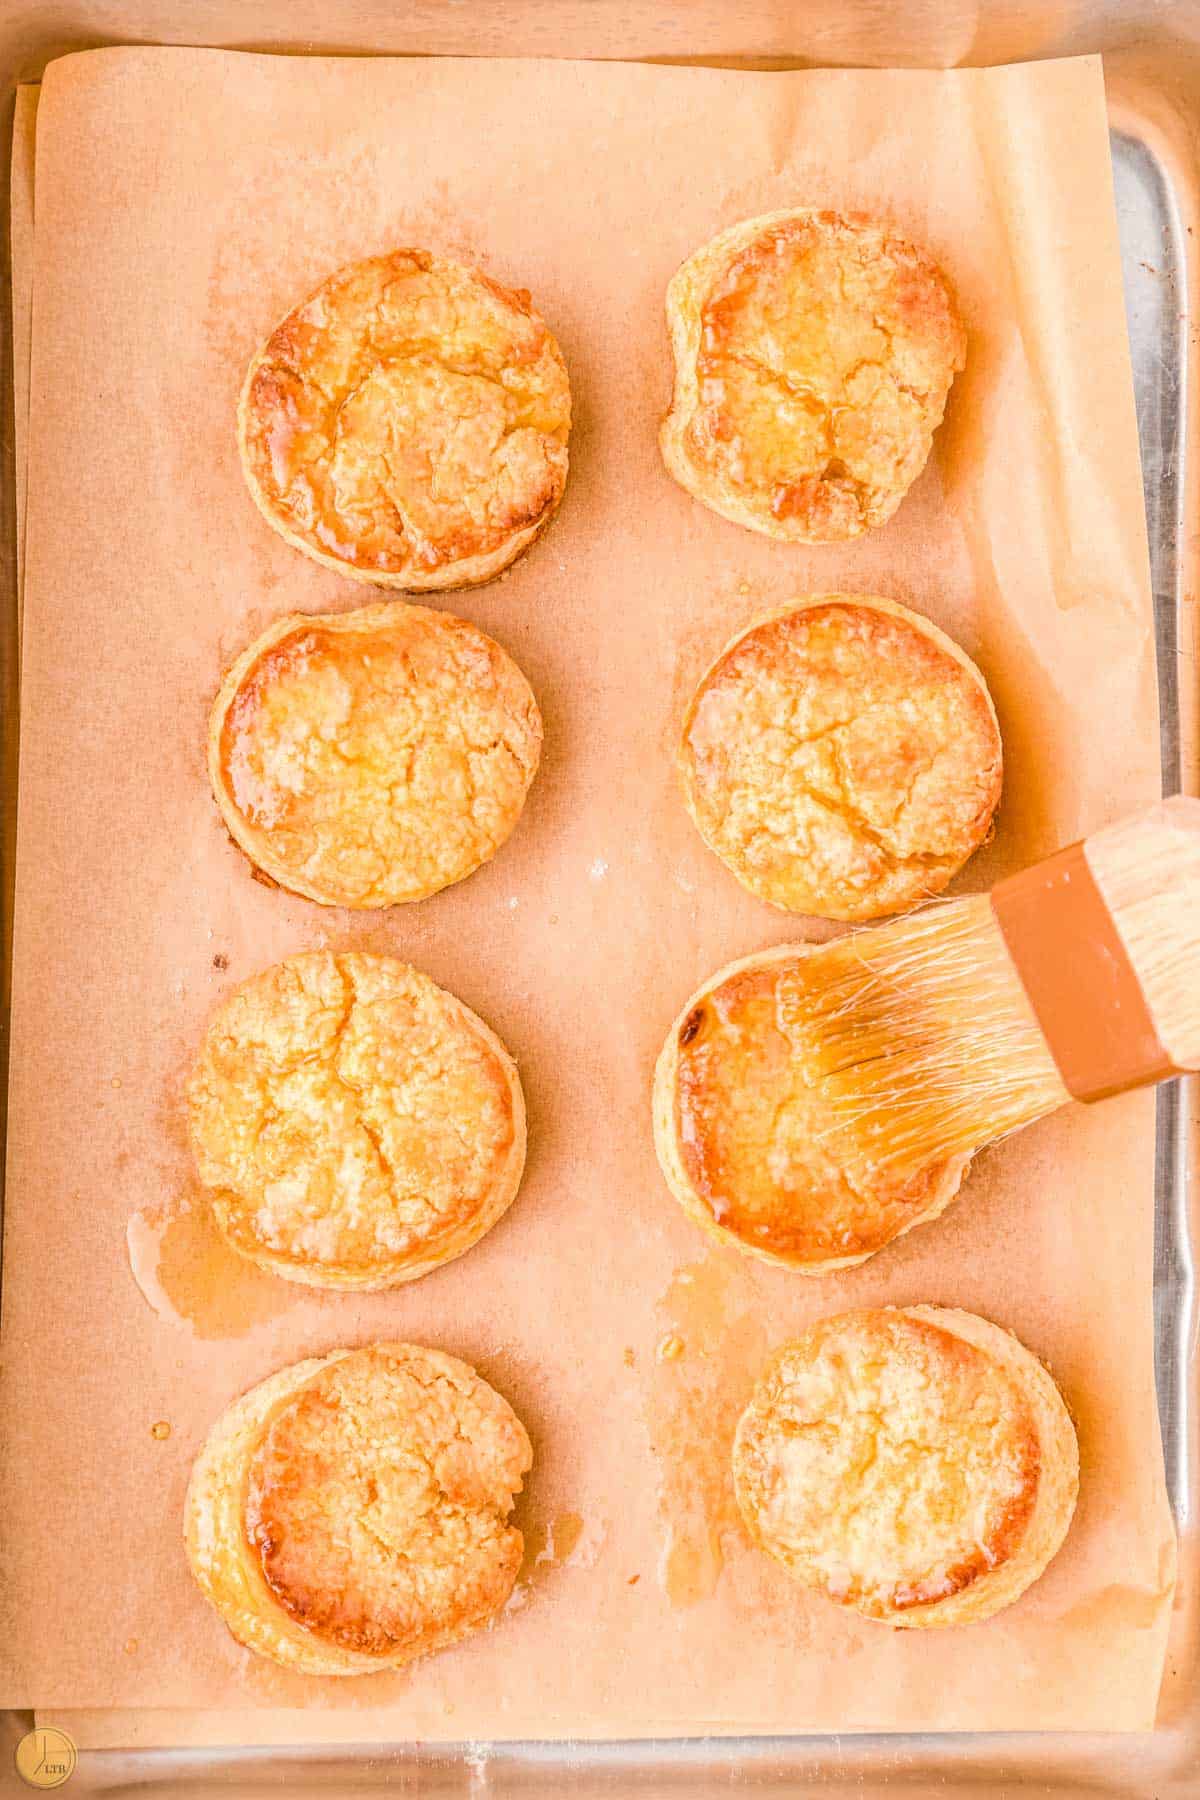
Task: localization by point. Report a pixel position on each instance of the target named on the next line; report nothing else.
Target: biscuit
(372, 757)
(407, 425)
(813, 357)
(744, 1132)
(356, 1125)
(350, 1513)
(915, 1463)
(842, 757)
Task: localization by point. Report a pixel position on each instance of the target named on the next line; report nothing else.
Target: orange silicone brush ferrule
(1080, 982)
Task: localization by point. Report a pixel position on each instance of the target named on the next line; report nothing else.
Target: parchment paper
(219, 188)
(20, 240)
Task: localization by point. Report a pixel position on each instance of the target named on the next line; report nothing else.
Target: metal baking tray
(1153, 76)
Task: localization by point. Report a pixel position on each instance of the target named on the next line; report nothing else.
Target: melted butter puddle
(550, 1542)
(189, 1275)
(566, 1541)
(695, 1395)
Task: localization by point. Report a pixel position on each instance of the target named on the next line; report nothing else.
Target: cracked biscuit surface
(813, 357)
(842, 757)
(744, 1133)
(351, 1512)
(370, 758)
(356, 1125)
(916, 1463)
(407, 425)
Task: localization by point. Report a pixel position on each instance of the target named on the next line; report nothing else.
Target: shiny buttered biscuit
(743, 1132)
(842, 757)
(350, 1513)
(356, 1125)
(813, 357)
(368, 758)
(407, 425)
(916, 1463)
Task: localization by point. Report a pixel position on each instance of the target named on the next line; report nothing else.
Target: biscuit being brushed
(743, 1129)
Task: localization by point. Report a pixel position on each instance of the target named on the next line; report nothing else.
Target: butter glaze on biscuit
(407, 425)
(370, 758)
(917, 1464)
(813, 357)
(842, 757)
(356, 1125)
(742, 1131)
(351, 1513)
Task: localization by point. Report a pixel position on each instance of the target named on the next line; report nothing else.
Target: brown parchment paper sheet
(222, 187)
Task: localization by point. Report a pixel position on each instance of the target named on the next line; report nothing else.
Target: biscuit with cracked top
(813, 356)
(842, 757)
(742, 1129)
(356, 1125)
(351, 1512)
(917, 1464)
(370, 758)
(407, 424)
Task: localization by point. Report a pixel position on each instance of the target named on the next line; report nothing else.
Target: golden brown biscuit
(916, 1463)
(743, 1132)
(357, 1125)
(813, 357)
(842, 757)
(350, 1513)
(407, 425)
(372, 757)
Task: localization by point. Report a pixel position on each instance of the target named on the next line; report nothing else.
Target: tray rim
(1142, 113)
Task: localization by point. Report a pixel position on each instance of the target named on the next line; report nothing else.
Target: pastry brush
(1078, 978)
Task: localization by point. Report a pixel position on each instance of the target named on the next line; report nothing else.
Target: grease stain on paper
(189, 1275)
(551, 1541)
(565, 1540)
(693, 1403)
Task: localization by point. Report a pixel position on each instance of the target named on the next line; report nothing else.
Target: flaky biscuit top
(888, 1461)
(409, 421)
(374, 757)
(377, 1501)
(351, 1512)
(356, 1124)
(842, 758)
(752, 1129)
(824, 348)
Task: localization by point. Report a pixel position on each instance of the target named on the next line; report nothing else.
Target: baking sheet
(1041, 383)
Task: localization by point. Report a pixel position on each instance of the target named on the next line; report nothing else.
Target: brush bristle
(922, 1039)
(921, 1033)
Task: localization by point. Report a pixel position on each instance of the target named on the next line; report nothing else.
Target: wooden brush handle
(1084, 989)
